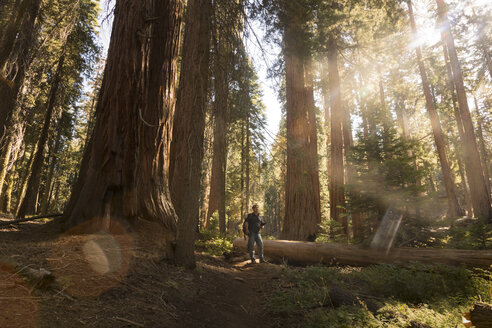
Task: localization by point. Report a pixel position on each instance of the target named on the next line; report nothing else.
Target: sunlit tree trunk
(28, 205)
(454, 207)
(25, 179)
(4, 161)
(478, 189)
(7, 39)
(123, 172)
(337, 197)
(9, 190)
(49, 179)
(188, 130)
(482, 147)
(301, 216)
(219, 160)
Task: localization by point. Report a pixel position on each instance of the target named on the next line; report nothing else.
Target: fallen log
(309, 253)
(32, 218)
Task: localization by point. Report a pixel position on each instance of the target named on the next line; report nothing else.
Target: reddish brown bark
(337, 196)
(478, 190)
(123, 173)
(189, 126)
(301, 216)
(454, 207)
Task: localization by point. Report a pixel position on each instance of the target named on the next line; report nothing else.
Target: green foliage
(213, 243)
(433, 295)
(475, 235)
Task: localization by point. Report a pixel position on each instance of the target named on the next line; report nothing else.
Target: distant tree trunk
(247, 152)
(28, 205)
(219, 161)
(301, 215)
(9, 90)
(337, 197)
(51, 171)
(313, 133)
(478, 188)
(25, 179)
(327, 115)
(454, 207)
(4, 161)
(8, 191)
(243, 164)
(123, 172)
(189, 127)
(482, 147)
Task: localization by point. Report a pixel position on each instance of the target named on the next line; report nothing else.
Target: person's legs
(259, 243)
(251, 246)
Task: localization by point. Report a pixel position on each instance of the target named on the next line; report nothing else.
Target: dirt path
(141, 292)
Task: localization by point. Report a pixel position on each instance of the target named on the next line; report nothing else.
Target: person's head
(255, 208)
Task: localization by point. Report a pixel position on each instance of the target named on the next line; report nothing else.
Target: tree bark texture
(189, 127)
(454, 207)
(28, 205)
(311, 253)
(123, 173)
(478, 190)
(337, 196)
(301, 200)
(7, 39)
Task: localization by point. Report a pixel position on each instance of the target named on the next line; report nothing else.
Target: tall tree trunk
(337, 196)
(454, 207)
(478, 188)
(51, 171)
(8, 191)
(482, 147)
(313, 133)
(301, 216)
(25, 179)
(248, 161)
(28, 205)
(9, 90)
(219, 161)
(123, 172)
(189, 127)
(4, 161)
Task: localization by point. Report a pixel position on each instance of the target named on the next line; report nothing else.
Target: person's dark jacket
(254, 222)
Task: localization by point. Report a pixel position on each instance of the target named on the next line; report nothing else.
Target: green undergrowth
(414, 296)
(212, 243)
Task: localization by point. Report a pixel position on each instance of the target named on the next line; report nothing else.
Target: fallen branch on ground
(32, 218)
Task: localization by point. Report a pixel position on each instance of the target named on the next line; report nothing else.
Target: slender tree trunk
(478, 188)
(51, 171)
(219, 161)
(189, 127)
(243, 164)
(337, 197)
(454, 207)
(248, 162)
(123, 172)
(25, 179)
(28, 204)
(9, 189)
(313, 133)
(4, 161)
(482, 147)
(301, 215)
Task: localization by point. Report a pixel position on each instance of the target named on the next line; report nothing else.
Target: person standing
(253, 225)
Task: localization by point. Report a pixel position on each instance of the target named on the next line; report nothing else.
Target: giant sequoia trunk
(337, 196)
(188, 130)
(454, 207)
(478, 190)
(123, 172)
(28, 204)
(301, 200)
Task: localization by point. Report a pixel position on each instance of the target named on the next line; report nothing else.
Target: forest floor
(109, 281)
